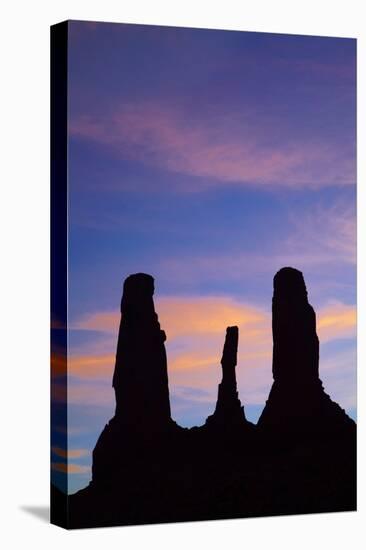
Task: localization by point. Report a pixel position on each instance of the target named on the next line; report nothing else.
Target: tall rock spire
(142, 418)
(140, 377)
(295, 342)
(229, 411)
(297, 402)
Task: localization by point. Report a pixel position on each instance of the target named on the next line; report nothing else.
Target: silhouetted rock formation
(140, 381)
(140, 377)
(295, 342)
(297, 402)
(229, 412)
(300, 458)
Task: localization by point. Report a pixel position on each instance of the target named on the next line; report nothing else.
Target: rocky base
(229, 410)
(313, 413)
(197, 475)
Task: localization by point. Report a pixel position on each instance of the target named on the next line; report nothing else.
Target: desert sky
(208, 159)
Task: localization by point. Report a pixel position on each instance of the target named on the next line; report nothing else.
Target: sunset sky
(208, 159)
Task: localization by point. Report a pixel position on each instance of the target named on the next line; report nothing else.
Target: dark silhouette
(140, 381)
(229, 411)
(300, 458)
(297, 405)
(140, 377)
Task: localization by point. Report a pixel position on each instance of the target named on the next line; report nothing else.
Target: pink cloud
(223, 149)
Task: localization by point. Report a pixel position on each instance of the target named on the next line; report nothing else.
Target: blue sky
(209, 159)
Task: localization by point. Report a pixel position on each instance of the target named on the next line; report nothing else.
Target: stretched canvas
(203, 322)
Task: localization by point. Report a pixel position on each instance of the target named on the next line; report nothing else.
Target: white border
(25, 268)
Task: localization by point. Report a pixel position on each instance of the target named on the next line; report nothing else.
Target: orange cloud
(337, 321)
(182, 316)
(201, 360)
(197, 363)
(199, 324)
(91, 366)
(196, 324)
(196, 331)
(207, 315)
(70, 453)
(104, 321)
(69, 468)
(192, 361)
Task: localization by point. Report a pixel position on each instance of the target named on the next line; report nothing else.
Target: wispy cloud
(224, 148)
(195, 328)
(70, 453)
(185, 315)
(210, 314)
(103, 321)
(321, 240)
(327, 231)
(91, 366)
(337, 321)
(99, 395)
(196, 317)
(70, 468)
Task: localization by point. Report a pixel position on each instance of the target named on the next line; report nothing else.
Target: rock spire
(297, 403)
(229, 411)
(140, 377)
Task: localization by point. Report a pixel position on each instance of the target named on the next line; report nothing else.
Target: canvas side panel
(59, 48)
